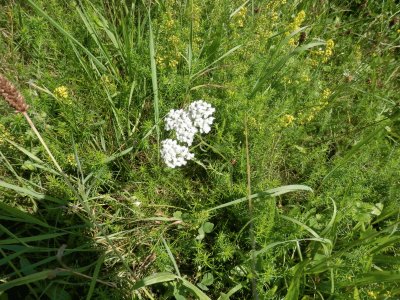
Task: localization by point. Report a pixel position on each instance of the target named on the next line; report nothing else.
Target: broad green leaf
(207, 227)
(208, 279)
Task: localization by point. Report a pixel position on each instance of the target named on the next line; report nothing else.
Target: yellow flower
(372, 294)
(300, 17)
(292, 42)
(4, 134)
(170, 23)
(326, 93)
(295, 25)
(330, 44)
(173, 63)
(305, 77)
(61, 92)
(71, 160)
(287, 120)
(174, 40)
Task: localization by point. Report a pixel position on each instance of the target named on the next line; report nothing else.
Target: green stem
(249, 199)
(42, 141)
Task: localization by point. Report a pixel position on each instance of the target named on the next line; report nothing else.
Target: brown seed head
(12, 95)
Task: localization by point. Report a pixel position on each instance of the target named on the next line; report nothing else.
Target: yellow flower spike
(292, 42)
(326, 93)
(330, 44)
(173, 63)
(328, 52)
(4, 134)
(299, 18)
(61, 92)
(287, 120)
(71, 160)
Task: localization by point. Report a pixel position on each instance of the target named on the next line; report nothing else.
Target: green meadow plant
(293, 192)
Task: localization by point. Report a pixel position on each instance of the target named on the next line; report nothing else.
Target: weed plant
(293, 194)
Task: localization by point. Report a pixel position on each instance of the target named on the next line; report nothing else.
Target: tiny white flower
(173, 154)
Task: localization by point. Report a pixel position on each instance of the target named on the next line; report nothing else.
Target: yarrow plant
(174, 154)
(179, 121)
(200, 112)
(186, 123)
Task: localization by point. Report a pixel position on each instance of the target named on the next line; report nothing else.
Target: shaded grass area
(316, 86)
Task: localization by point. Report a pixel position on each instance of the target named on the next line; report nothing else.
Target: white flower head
(200, 112)
(174, 154)
(179, 121)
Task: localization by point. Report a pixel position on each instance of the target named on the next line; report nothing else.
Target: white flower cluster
(179, 121)
(186, 123)
(175, 155)
(200, 113)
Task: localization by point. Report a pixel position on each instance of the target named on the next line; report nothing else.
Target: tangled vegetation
(293, 193)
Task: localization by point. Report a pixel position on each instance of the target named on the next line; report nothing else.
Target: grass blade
(171, 256)
(28, 239)
(28, 279)
(94, 278)
(154, 82)
(32, 193)
(154, 279)
(21, 215)
(269, 193)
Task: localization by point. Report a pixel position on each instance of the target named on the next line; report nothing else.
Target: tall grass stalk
(250, 205)
(154, 83)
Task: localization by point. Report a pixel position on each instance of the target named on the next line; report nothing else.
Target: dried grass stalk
(12, 95)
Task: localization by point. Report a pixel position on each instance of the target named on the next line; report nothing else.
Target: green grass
(294, 194)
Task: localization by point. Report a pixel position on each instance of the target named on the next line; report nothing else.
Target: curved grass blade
(154, 279)
(294, 287)
(28, 192)
(35, 238)
(373, 278)
(166, 276)
(154, 82)
(94, 278)
(268, 193)
(28, 279)
(21, 215)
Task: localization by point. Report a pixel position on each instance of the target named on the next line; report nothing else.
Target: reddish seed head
(12, 95)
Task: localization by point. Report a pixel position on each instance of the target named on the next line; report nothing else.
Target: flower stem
(42, 141)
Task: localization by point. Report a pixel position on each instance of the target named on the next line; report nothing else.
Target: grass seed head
(12, 95)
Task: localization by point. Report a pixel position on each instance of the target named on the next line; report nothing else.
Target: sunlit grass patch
(289, 187)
